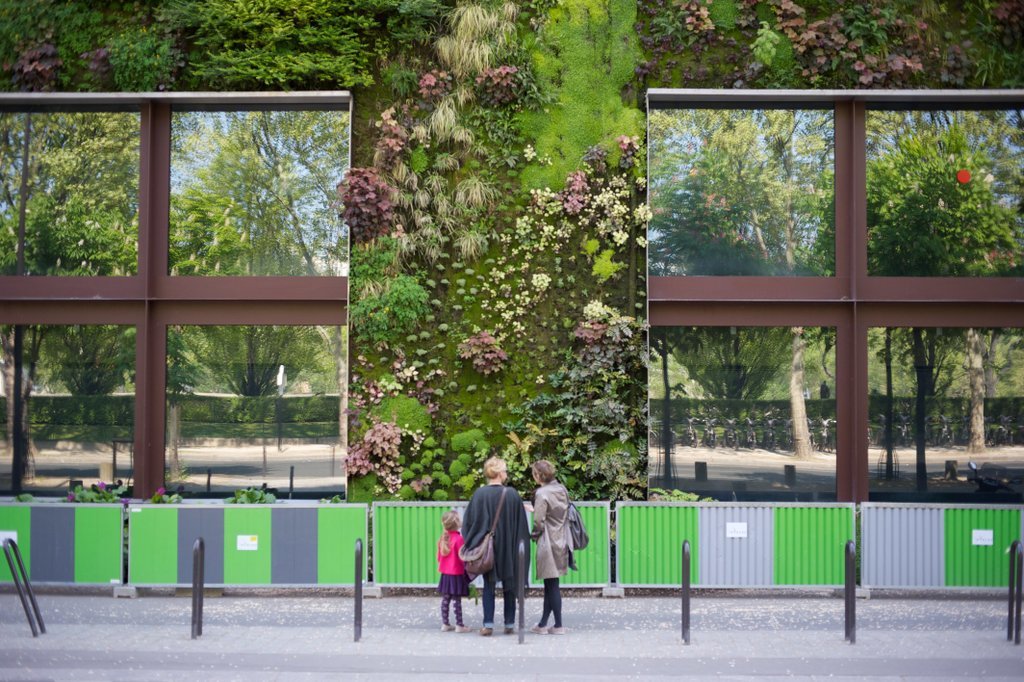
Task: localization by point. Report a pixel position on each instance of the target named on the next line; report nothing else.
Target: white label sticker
(247, 543)
(737, 529)
(981, 537)
(136, 510)
(8, 535)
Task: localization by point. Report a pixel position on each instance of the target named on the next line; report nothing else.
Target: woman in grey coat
(550, 531)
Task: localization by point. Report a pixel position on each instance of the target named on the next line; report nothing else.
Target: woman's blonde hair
(450, 521)
(494, 467)
(544, 470)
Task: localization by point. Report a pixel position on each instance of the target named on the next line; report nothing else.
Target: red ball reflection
(963, 176)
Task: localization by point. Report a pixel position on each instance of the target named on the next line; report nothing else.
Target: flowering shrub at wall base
(252, 496)
(97, 493)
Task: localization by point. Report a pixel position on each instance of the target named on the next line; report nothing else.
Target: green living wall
(496, 202)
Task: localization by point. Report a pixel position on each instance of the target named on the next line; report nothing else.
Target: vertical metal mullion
(151, 341)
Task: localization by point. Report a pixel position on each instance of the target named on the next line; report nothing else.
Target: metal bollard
(209, 475)
(1016, 583)
(357, 626)
(685, 611)
(850, 593)
(291, 481)
(521, 587)
(24, 587)
(198, 585)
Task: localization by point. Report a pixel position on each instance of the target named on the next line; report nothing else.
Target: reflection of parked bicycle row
(768, 432)
(939, 430)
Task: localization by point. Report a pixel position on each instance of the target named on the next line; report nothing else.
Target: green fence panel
(649, 542)
(810, 542)
(247, 545)
(337, 530)
(153, 545)
(16, 524)
(594, 562)
(976, 539)
(99, 544)
(405, 539)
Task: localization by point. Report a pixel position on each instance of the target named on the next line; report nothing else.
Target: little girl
(454, 583)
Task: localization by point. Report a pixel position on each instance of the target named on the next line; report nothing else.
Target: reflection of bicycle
(689, 436)
(730, 437)
(826, 438)
(768, 439)
(750, 434)
(903, 429)
(710, 438)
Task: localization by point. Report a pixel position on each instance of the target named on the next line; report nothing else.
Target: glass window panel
(741, 192)
(248, 405)
(940, 398)
(80, 387)
(254, 193)
(70, 185)
(722, 406)
(944, 193)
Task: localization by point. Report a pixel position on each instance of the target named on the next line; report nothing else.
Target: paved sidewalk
(737, 636)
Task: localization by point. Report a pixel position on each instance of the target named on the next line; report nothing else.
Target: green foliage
(469, 441)
(334, 499)
(391, 314)
(604, 267)
(587, 57)
(24, 497)
(289, 44)
(97, 493)
(408, 413)
(161, 497)
(251, 496)
(90, 359)
(362, 488)
(662, 495)
(142, 61)
(724, 14)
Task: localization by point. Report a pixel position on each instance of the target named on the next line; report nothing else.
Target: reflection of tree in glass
(741, 192)
(923, 221)
(81, 183)
(245, 360)
(734, 363)
(88, 359)
(253, 193)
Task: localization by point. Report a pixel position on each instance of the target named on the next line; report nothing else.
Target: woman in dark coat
(511, 529)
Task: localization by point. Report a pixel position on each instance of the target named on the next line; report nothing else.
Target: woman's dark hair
(544, 470)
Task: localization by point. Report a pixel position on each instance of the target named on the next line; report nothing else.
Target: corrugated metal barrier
(936, 546)
(733, 545)
(65, 543)
(406, 533)
(286, 544)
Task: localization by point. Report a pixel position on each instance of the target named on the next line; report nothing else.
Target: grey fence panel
(737, 545)
(902, 545)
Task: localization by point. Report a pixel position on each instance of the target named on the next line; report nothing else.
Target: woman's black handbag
(577, 531)
(480, 559)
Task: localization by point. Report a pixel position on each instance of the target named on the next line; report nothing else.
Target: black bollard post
(198, 583)
(521, 587)
(685, 614)
(1014, 549)
(1020, 593)
(850, 592)
(291, 481)
(357, 628)
(209, 475)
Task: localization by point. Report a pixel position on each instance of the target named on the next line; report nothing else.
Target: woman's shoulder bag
(480, 559)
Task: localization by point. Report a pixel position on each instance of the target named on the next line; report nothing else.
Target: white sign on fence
(736, 529)
(247, 543)
(981, 537)
(8, 535)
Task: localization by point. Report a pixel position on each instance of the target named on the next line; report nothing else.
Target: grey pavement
(309, 636)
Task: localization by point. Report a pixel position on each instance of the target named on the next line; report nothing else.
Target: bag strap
(501, 503)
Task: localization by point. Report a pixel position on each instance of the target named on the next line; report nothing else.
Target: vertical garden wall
(496, 199)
